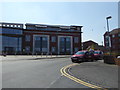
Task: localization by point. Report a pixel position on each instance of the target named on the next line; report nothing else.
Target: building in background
(114, 40)
(92, 45)
(55, 39)
(11, 38)
(89, 43)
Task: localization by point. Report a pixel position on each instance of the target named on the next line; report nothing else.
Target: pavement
(31, 57)
(97, 73)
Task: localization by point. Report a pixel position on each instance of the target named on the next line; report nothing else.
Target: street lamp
(109, 42)
(107, 22)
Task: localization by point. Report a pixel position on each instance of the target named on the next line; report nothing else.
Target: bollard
(41, 54)
(36, 54)
(4, 54)
(51, 54)
(32, 54)
(15, 53)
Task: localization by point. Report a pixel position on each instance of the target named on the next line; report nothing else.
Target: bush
(109, 59)
(117, 61)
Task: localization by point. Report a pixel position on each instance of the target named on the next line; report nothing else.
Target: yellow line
(63, 72)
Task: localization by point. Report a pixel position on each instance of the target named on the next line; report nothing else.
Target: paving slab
(97, 73)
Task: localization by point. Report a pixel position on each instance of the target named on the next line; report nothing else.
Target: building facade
(93, 45)
(39, 39)
(11, 38)
(89, 43)
(51, 39)
(114, 41)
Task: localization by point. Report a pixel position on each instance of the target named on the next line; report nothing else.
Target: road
(43, 73)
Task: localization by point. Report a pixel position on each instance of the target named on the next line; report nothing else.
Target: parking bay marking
(63, 72)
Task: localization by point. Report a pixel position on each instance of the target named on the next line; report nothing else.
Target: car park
(83, 55)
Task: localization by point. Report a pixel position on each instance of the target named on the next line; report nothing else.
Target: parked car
(118, 56)
(81, 56)
(98, 55)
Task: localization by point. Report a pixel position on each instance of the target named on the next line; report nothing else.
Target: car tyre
(73, 61)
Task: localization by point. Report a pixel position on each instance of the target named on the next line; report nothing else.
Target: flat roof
(53, 25)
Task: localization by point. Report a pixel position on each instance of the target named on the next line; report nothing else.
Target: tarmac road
(43, 73)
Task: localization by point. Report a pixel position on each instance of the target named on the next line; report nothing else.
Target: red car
(98, 55)
(82, 56)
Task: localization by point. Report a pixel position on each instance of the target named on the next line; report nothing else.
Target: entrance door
(65, 45)
(41, 44)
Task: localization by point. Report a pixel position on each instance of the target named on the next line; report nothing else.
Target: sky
(90, 15)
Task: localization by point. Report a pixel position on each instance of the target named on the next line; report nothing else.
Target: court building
(29, 38)
(55, 39)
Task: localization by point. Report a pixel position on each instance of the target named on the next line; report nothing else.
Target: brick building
(39, 38)
(93, 44)
(114, 40)
(86, 44)
(55, 39)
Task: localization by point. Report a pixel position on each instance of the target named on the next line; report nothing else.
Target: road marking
(63, 72)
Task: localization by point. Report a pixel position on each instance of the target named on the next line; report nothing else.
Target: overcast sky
(90, 15)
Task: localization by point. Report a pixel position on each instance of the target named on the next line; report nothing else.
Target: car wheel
(73, 61)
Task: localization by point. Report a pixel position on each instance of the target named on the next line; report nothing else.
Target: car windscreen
(79, 53)
(96, 52)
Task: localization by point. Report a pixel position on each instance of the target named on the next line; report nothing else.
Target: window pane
(53, 49)
(27, 48)
(76, 49)
(11, 43)
(27, 37)
(76, 39)
(53, 39)
(41, 43)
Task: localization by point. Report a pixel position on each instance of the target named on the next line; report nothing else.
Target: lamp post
(109, 42)
(107, 22)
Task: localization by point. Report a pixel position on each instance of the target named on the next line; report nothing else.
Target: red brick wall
(50, 33)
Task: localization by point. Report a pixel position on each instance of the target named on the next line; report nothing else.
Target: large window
(11, 31)
(44, 44)
(65, 45)
(52, 29)
(27, 48)
(11, 44)
(53, 39)
(53, 49)
(75, 49)
(119, 35)
(27, 37)
(76, 39)
(40, 44)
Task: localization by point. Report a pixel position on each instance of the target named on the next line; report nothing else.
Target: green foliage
(112, 53)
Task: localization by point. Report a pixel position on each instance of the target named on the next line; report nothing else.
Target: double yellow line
(63, 71)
